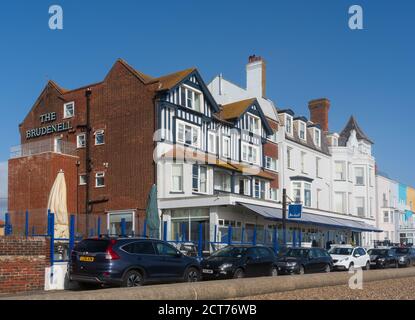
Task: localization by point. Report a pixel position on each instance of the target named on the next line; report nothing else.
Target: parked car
(406, 256)
(349, 257)
(304, 260)
(239, 261)
(130, 262)
(383, 258)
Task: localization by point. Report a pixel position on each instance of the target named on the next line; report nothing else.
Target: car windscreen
(230, 252)
(402, 251)
(378, 252)
(297, 253)
(341, 251)
(92, 246)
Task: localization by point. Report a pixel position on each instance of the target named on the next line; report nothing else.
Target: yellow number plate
(86, 259)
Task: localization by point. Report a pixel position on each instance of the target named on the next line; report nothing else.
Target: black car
(383, 258)
(239, 261)
(130, 263)
(304, 260)
(406, 256)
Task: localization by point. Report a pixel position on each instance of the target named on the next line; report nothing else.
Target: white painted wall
(390, 190)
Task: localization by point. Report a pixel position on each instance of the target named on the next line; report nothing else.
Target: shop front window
(115, 221)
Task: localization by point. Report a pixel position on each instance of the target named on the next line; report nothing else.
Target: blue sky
(309, 48)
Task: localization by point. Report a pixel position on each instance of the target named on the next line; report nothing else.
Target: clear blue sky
(309, 48)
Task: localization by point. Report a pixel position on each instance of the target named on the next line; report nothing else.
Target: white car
(348, 258)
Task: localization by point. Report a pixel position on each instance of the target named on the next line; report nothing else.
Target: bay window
(360, 206)
(199, 178)
(250, 153)
(340, 202)
(188, 134)
(360, 176)
(222, 181)
(301, 193)
(245, 186)
(226, 147)
(340, 168)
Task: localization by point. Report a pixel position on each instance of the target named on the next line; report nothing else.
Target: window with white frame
(302, 130)
(191, 98)
(81, 140)
(289, 158)
(259, 188)
(188, 134)
(100, 180)
(289, 124)
(199, 178)
(254, 124)
(99, 137)
(340, 202)
(250, 153)
(69, 110)
(317, 137)
(245, 186)
(273, 194)
(303, 162)
(360, 176)
(212, 142)
(82, 179)
(222, 181)
(226, 147)
(177, 177)
(318, 169)
(360, 206)
(301, 192)
(340, 168)
(386, 216)
(270, 163)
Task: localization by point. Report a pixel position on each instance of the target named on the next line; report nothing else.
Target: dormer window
(253, 124)
(191, 98)
(317, 137)
(289, 124)
(302, 130)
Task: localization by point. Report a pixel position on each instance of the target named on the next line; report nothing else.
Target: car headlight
(291, 264)
(226, 266)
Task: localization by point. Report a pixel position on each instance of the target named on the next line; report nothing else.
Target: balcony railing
(42, 146)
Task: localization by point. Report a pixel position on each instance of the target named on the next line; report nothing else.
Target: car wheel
(327, 269)
(239, 274)
(351, 267)
(274, 272)
(301, 270)
(367, 267)
(133, 279)
(192, 275)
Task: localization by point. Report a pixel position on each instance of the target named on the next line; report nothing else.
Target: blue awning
(275, 214)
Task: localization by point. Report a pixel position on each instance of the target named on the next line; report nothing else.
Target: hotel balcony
(43, 146)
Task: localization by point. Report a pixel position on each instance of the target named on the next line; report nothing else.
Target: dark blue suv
(129, 262)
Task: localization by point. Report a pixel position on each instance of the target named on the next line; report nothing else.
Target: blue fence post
(7, 230)
(275, 240)
(254, 237)
(99, 226)
(123, 227)
(33, 230)
(242, 235)
(294, 238)
(26, 225)
(145, 229)
(300, 238)
(229, 235)
(52, 237)
(165, 231)
(265, 235)
(200, 244)
(71, 235)
(216, 233)
(284, 236)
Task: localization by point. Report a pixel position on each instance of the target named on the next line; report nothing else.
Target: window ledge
(176, 192)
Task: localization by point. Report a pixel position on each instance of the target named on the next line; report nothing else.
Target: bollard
(71, 235)
(26, 229)
(123, 227)
(200, 244)
(165, 231)
(229, 235)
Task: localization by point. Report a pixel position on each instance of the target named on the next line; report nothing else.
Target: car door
(313, 263)
(391, 256)
(363, 257)
(253, 263)
(171, 264)
(267, 260)
(143, 255)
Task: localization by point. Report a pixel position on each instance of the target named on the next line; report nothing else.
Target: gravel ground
(397, 289)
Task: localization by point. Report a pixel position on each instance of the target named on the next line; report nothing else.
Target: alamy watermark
(56, 18)
(356, 18)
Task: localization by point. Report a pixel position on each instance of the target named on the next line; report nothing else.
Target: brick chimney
(319, 112)
(256, 76)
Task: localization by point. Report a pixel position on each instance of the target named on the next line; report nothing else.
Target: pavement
(397, 289)
(311, 286)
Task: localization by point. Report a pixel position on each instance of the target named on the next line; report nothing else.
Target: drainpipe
(88, 94)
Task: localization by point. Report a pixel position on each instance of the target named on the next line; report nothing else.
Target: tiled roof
(236, 109)
(353, 125)
(169, 81)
